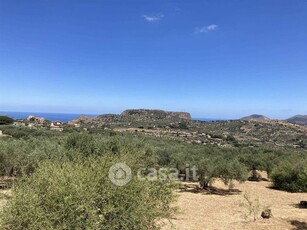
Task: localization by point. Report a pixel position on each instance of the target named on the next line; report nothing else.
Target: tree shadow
(252, 179)
(298, 225)
(211, 190)
(278, 189)
(299, 205)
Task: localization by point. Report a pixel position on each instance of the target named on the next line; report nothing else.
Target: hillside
(255, 130)
(256, 117)
(153, 115)
(298, 119)
(95, 121)
(133, 116)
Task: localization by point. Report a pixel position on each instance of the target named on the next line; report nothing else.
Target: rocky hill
(153, 115)
(136, 116)
(298, 119)
(256, 117)
(99, 120)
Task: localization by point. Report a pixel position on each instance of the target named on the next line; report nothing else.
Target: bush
(18, 157)
(77, 194)
(290, 177)
(5, 120)
(82, 143)
(25, 132)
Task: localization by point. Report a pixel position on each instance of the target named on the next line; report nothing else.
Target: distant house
(56, 128)
(19, 123)
(56, 125)
(39, 120)
(31, 118)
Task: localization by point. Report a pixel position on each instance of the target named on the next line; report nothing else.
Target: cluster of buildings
(36, 122)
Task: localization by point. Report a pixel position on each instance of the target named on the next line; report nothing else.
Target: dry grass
(4, 196)
(221, 210)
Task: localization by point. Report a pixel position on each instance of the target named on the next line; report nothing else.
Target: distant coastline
(64, 117)
(209, 119)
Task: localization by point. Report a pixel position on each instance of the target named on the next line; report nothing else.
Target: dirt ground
(221, 210)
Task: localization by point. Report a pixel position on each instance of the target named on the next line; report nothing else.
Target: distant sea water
(64, 117)
(209, 119)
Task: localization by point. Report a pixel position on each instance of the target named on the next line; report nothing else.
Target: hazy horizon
(216, 59)
(38, 113)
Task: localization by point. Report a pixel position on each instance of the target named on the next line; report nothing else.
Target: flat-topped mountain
(298, 119)
(256, 117)
(134, 115)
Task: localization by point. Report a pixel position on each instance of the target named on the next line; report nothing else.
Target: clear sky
(213, 58)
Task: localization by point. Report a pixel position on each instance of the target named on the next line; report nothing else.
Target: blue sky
(213, 58)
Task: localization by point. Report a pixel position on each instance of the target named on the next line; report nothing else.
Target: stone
(266, 214)
(303, 204)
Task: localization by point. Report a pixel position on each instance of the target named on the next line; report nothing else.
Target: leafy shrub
(25, 132)
(18, 157)
(82, 143)
(5, 120)
(290, 177)
(77, 194)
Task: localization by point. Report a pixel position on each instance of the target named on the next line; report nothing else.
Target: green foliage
(82, 143)
(291, 176)
(211, 162)
(77, 194)
(18, 157)
(25, 132)
(5, 120)
(225, 163)
(63, 177)
(231, 170)
(218, 167)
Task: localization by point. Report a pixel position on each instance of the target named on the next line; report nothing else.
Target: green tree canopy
(5, 120)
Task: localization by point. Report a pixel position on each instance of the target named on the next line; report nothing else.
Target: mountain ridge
(256, 117)
(298, 119)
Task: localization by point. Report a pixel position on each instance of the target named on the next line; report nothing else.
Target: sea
(210, 119)
(64, 117)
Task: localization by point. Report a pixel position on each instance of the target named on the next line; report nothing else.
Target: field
(200, 210)
(221, 210)
(62, 180)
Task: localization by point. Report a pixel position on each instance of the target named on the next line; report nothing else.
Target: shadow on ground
(298, 225)
(192, 188)
(297, 206)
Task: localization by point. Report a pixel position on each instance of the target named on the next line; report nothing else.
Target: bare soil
(220, 209)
